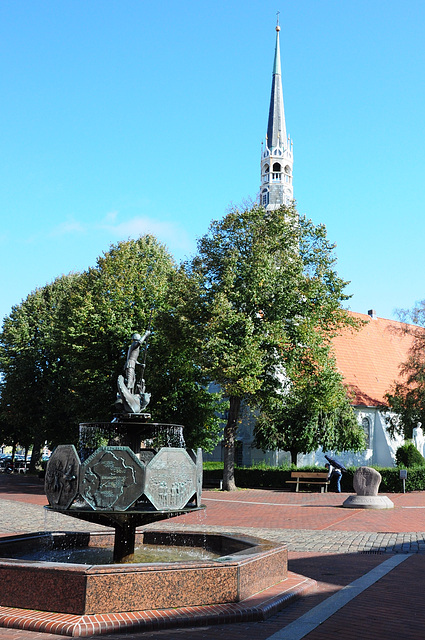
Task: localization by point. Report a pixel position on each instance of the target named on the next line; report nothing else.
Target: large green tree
(132, 288)
(270, 297)
(313, 410)
(62, 349)
(35, 388)
(406, 400)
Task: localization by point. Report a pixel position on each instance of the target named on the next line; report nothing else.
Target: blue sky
(120, 117)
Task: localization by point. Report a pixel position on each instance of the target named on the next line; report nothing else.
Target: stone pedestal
(366, 483)
(368, 502)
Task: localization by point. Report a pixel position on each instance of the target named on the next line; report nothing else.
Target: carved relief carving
(61, 481)
(112, 478)
(170, 479)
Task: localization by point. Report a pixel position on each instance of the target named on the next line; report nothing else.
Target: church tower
(277, 154)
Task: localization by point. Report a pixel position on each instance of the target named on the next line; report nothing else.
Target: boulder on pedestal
(366, 483)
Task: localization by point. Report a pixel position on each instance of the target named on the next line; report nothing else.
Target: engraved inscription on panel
(170, 479)
(112, 478)
(61, 482)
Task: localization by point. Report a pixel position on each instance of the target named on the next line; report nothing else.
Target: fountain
(131, 480)
(126, 474)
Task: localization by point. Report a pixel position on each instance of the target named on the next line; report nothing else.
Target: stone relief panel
(61, 481)
(112, 478)
(170, 479)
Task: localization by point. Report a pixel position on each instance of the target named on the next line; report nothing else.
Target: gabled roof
(370, 359)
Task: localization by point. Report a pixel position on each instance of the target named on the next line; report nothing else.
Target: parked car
(6, 464)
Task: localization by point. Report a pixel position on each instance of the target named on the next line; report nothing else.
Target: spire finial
(277, 21)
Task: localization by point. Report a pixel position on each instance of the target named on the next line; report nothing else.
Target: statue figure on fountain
(132, 396)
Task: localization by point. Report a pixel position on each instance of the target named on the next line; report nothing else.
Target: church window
(366, 429)
(265, 198)
(276, 172)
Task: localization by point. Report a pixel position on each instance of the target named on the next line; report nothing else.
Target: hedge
(275, 478)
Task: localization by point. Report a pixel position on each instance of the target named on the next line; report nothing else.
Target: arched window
(265, 197)
(276, 175)
(366, 429)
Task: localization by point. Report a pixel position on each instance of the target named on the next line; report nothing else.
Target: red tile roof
(370, 359)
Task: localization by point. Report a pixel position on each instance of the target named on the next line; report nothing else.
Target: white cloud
(67, 227)
(168, 232)
(111, 217)
(172, 234)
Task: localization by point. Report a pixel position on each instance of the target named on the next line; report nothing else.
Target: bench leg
(297, 486)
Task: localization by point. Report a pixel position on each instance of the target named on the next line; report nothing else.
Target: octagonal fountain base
(248, 575)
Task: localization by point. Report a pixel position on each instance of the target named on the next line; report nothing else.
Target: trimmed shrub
(408, 456)
(275, 478)
(257, 477)
(210, 465)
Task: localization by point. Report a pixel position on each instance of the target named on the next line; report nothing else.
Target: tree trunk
(230, 431)
(294, 456)
(35, 456)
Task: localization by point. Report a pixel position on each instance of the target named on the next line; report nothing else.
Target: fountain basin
(245, 566)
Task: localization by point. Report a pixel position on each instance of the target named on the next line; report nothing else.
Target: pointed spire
(276, 65)
(276, 129)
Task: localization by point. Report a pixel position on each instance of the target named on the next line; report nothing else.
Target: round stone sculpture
(366, 483)
(61, 481)
(171, 479)
(112, 478)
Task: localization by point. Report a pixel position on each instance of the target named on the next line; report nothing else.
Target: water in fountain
(143, 554)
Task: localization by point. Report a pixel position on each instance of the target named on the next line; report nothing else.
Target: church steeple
(277, 155)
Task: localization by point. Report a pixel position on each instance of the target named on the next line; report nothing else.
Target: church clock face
(288, 169)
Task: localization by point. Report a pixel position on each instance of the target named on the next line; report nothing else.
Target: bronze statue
(132, 395)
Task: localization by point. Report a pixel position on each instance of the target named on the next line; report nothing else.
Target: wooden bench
(319, 478)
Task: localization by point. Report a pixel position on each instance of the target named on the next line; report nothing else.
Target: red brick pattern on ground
(390, 608)
(22, 488)
(285, 510)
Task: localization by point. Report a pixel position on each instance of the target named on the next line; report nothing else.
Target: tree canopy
(253, 312)
(269, 302)
(407, 397)
(62, 348)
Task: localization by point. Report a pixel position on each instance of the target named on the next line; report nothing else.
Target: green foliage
(35, 389)
(391, 482)
(316, 412)
(211, 465)
(275, 478)
(247, 271)
(408, 456)
(268, 304)
(62, 349)
(407, 397)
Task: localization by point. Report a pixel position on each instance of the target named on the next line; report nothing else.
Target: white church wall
(380, 452)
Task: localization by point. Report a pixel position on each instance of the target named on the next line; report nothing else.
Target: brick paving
(326, 543)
